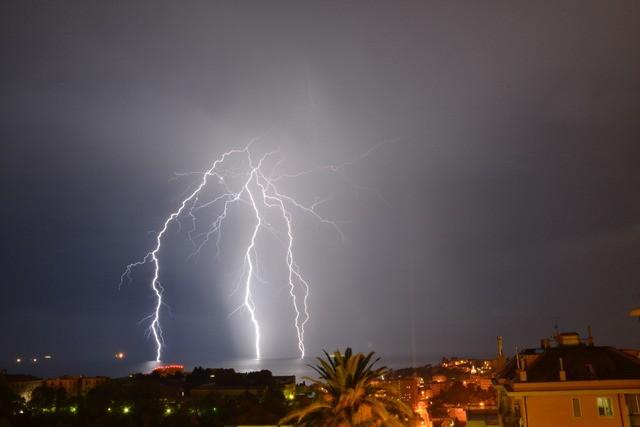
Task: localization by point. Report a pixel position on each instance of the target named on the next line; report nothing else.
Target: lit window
(605, 407)
(577, 410)
(633, 402)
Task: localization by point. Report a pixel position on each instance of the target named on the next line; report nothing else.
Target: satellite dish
(635, 312)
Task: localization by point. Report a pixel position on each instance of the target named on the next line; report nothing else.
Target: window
(577, 410)
(516, 408)
(605, 407)
(633, 402)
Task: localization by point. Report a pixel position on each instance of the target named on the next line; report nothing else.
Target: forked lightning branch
(236, 177)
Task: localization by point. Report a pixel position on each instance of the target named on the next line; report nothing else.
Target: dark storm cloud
(504, 201)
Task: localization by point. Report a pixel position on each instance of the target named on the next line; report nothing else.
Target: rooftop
(580, 361)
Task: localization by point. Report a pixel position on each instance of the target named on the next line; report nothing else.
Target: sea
(301, 368)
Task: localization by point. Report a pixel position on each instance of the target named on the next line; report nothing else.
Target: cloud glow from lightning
(259, 192)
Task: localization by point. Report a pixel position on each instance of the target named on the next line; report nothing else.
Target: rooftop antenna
(590, 337)
(556, 329)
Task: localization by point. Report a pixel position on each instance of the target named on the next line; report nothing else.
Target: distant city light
(126, 409)
(34, 360)
(120, 355)
(168, 411)
(47, 356)
(18, 360)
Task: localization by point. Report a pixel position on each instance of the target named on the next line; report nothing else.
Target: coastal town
(567, 378)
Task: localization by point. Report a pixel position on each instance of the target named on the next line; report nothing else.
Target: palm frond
(351, 394)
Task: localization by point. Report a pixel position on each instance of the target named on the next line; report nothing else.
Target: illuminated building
(482, 417)
(22, 385)
(226, 390)
(408, 389)
(166, 370)
(573, 383)
(439, 378)
(484, 383)
(238, 384)
(288, 385)
(75, 385)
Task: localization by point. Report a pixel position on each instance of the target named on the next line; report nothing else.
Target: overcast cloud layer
(502, 197)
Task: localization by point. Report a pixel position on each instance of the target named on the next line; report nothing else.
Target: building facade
(75, 385)
(571, 383)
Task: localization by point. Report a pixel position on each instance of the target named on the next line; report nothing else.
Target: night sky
(500, 195)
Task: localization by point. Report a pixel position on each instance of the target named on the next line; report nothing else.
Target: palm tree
(352, 394)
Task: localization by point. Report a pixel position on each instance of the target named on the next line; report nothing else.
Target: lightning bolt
(248, 297)
(259, 192)
(152, 256)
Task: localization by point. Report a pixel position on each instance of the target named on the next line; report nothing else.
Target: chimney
(522, 370)
(522, 375)
(590, 337)
(562, 373)
(500, 361)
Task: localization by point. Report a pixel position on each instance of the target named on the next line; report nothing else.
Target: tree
(9, 403)
(44, 398)
(351, 394)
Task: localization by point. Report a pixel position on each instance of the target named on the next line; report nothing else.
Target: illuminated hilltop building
(571, 383)
(167, 370)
